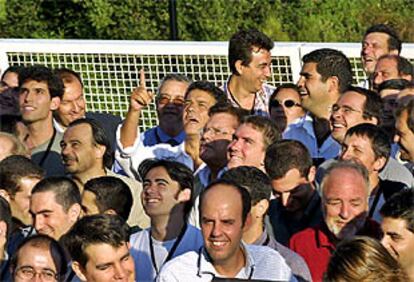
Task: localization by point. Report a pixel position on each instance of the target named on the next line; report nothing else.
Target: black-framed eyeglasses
(287, 103)
(28, 273)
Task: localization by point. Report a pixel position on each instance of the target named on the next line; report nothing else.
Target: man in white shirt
(167, 200)
(224, 214)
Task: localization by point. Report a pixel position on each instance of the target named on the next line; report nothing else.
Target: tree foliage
(204, 20)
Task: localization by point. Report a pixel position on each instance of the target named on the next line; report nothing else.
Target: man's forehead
(376, 36)
(79, 131)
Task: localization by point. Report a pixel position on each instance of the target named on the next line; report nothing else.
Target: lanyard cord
(49, 147)
(170, 253)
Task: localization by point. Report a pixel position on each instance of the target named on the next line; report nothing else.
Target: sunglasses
(287, 104)
(163, 100)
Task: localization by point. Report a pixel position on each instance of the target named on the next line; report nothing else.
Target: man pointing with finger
(170, 104)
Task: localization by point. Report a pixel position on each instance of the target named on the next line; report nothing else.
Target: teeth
(218, 244)
(337, 125)
(152, 201)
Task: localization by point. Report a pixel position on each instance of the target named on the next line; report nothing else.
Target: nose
(65, 150)
(267, 71)
(234, 146)
(378, 79)
(28, 96)
(216, 230)
(284, 199)
(38, 223)
(301, 82)
(75, 106)
(346, 155)
(120, 271)
(207, 134)
(344, 212)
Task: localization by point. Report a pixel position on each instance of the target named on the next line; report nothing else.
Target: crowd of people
(242, 181)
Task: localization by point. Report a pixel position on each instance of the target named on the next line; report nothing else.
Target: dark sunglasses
(287, 103)
(163, 100)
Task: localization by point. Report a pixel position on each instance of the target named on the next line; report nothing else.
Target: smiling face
(72, 106)
(374, 45)
(346, 113)
(359, 149)
(197, 104)
(257, 71)
(247, 148)
(345, 202)
(160, 193)
(221, 224)
(49, 217)
(107, 263)
(35, 102)
(79, 153)
(34, 259)
(217, 135)
(313, 91)
(398, 240)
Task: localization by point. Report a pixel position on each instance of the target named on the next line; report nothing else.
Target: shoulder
(303, 237)
(181, 265)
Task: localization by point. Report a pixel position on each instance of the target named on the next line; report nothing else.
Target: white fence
(109, 69)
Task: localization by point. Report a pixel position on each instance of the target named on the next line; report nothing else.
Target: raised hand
(141, 97)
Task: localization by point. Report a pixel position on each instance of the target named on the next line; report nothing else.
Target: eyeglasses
(287, 104)
(28, 273)
(166, 99)
(344, 109)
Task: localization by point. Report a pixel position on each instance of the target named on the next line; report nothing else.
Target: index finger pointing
(141, 78)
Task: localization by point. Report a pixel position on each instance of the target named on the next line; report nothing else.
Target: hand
(141, 97)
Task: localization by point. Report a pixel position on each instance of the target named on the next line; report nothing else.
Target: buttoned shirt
(261, 100)
(262, 263)
(130, 158)
(296, 263)
(302, 130)
(156, 135)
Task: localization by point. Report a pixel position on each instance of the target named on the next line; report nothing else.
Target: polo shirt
(262, 263)
(316, 244)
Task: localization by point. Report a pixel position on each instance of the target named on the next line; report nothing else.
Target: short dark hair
(409, 107)
(111, 193)
(95, 229)
(244, 194)
(242, 44)
(264, 125)
(281, 87)
(44, 242)
(43, 74)
(403, 65)
(253, 179)
(15, 69)
(173, 77)
(5, 215)
(394, 41)
(227, 108)
(13, 169)
(177, 171)
(373, 103)
(396, 84)
(401, 206)
(285, 155)
(380, 141)
(65, 190)
(99, 137)
(68, 75)
(331, 62)
(208, 87)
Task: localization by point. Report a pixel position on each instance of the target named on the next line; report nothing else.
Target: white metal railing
(110, 68)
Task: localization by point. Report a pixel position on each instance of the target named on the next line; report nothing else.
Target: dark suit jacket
(109, 123)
